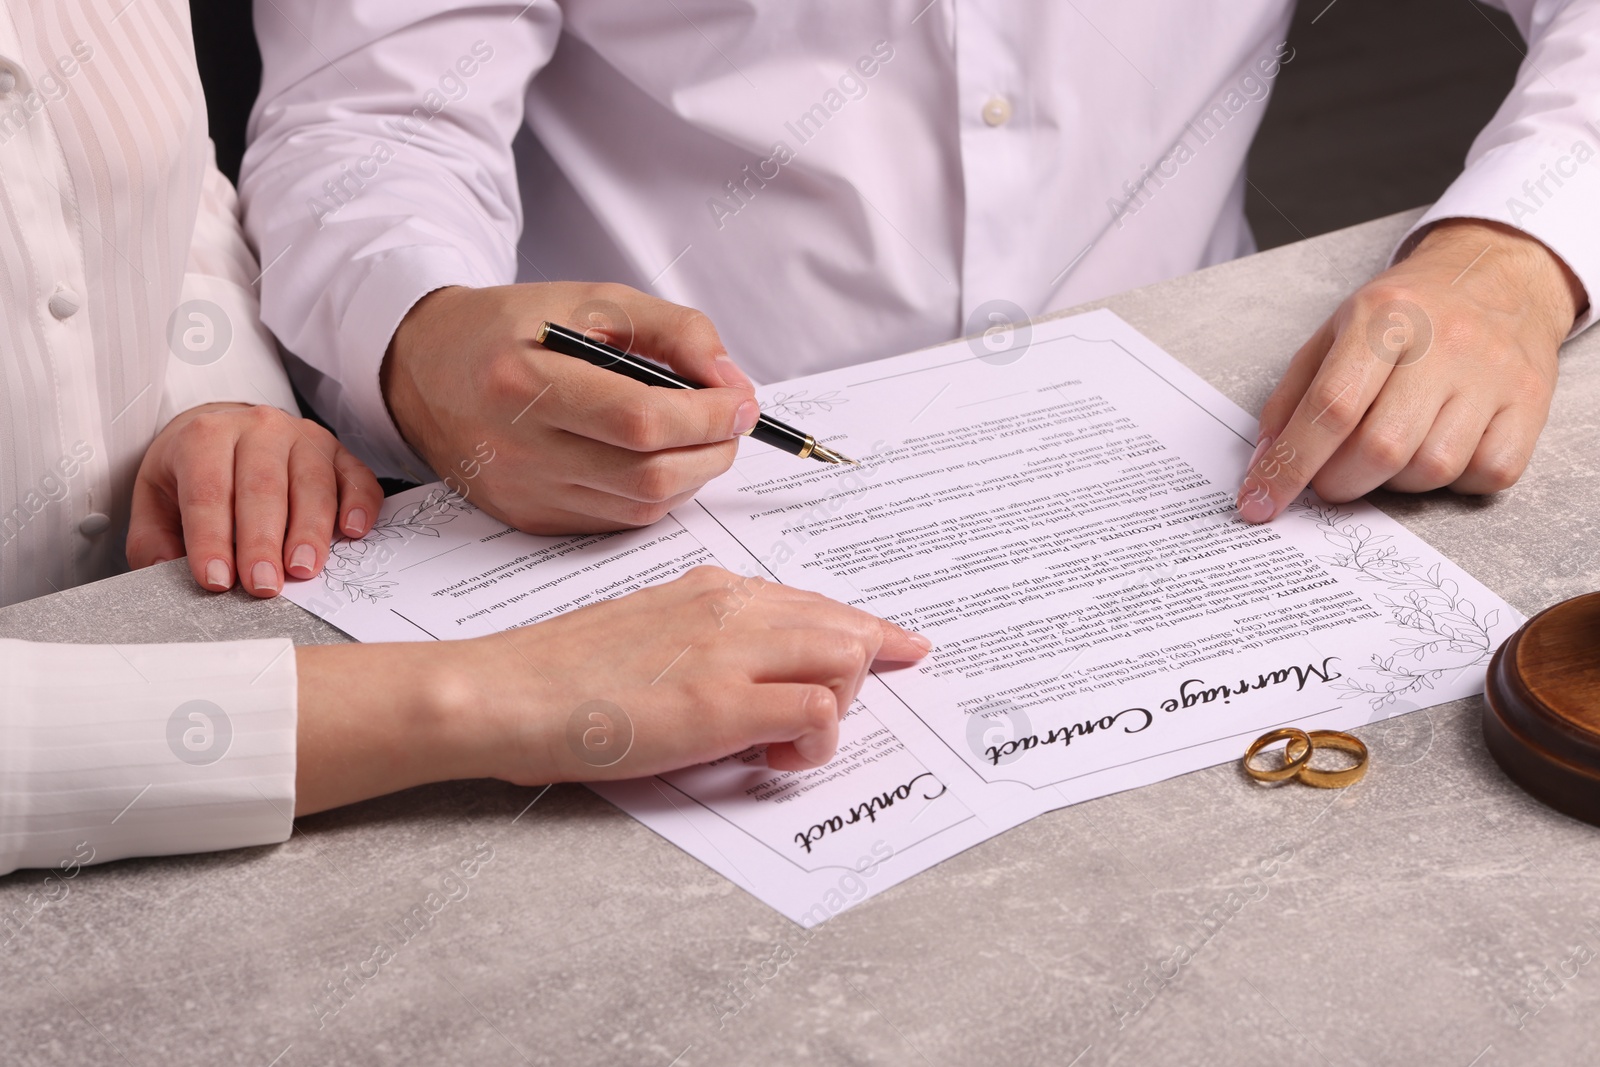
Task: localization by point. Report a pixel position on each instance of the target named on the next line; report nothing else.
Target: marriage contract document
(1056, 514)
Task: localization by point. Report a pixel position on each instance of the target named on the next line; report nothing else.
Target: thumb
(155, 529)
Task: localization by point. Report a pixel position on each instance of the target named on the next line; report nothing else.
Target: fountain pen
(767, 429)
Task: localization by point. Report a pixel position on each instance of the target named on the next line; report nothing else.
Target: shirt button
(64, 303)
(94, 523)
(8, 81)
(997, 112)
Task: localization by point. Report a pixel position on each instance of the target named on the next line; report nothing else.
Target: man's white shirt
(830, 183)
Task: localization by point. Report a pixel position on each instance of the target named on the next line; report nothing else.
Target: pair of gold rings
(1297, 757)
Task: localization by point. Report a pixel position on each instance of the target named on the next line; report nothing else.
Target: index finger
(1344, 387)
(793, 608)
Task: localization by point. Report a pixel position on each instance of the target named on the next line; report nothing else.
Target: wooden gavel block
(1541, 718)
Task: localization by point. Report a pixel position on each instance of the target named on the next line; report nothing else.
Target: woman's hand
(671, 676)
(247, 490)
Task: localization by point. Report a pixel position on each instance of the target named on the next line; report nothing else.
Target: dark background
(230, 67)
(1374, 114)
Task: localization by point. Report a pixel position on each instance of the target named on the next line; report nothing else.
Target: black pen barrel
(770, 431)
(572, 343)
(568, 342)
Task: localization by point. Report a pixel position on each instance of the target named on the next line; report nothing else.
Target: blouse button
(64, 303)
(93, 523)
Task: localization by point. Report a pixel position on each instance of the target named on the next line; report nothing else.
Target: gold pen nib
(828, 455)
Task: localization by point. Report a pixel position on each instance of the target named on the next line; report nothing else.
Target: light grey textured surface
(1414, 922)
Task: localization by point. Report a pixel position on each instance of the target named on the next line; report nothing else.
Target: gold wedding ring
(1292, 764)
(1339, 742)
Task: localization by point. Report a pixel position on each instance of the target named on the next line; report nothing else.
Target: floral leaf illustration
(356, 569)
(1424, 602)
(799, 404)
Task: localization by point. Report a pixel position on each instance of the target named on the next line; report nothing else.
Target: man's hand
(1438, 372)
(576, 449)
(671, 676)
(249, 490)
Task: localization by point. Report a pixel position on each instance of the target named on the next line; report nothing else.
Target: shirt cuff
(1545, 187)
(218, 351)
(144, 750)
(390, 287)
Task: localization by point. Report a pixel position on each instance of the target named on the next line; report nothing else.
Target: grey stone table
(1433, 914)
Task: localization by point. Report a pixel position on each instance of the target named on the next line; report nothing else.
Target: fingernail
(264, 578)
(217, 574)
(159, 560)
(730, 373)
(355, 523)
(920, 641)
(301, 561)
(813, 748)
(1255, 507)
(1261, 450)
(744, 420)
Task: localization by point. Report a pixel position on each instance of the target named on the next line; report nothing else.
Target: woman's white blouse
(127, 295)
